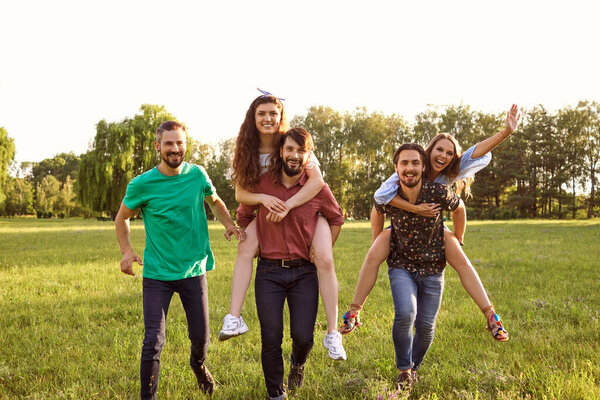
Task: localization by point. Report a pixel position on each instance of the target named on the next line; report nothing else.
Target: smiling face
(409, 167)
(172, 147)
(294, 157)
(268, 118)
(442, 154)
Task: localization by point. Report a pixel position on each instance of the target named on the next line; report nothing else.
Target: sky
(65, 65)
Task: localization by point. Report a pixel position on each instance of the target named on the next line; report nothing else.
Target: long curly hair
(246, 165)
(452, 170)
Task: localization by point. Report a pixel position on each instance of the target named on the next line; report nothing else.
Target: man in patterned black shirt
(416, 262)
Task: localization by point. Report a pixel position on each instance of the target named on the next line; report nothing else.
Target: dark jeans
(273, 284)
(157, 296)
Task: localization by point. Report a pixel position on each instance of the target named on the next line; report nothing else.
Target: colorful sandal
(494, 325)
(351, 320)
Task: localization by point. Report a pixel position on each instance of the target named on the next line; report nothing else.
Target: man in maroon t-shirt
(284, 270)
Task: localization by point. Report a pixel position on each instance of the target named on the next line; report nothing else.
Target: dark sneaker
(404, 381)
(206, 383)
(296, 377)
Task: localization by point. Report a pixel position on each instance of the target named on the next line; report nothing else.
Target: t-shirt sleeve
(134, 195)
(387, 190)
(209, 189)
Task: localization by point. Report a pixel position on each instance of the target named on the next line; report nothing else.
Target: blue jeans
(156, 299)
(417, 301)
(273, 284)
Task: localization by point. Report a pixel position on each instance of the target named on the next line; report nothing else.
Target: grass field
(71, 324)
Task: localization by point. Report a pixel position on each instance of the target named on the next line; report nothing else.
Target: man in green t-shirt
(171, 199)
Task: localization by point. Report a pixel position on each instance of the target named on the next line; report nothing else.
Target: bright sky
(65, 65)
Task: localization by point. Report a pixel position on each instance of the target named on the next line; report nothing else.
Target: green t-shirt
(177, 245)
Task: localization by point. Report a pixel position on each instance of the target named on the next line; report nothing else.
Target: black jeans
(157, 296)
(273, 284)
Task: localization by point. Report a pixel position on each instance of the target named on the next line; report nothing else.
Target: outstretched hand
(512, 119)
(127, 262)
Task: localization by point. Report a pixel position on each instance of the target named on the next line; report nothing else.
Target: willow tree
(120, 151)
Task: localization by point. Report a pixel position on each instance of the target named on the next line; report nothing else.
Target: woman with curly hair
(447, 165)
(259, 134)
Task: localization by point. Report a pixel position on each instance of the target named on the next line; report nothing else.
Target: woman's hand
(512, 120)
(427, 209)
(273, 204)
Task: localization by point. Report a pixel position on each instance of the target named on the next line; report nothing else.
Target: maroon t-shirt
(290, 238)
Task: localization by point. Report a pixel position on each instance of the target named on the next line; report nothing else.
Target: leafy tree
(121, 150)
(7, 154)
(590, 111)
(60, 166)
(65, 201)
(47, 193)
(19, 197)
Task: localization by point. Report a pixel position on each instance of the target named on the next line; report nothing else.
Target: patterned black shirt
(417, 242)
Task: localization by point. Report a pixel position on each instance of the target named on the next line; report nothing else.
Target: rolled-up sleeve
(469, 166)
(330, 208)
(387, 190)
(245, 214)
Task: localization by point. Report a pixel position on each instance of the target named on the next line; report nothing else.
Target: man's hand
(273, 204)
(127, 262)
(312, 254)
(239, 233)
(427, 209)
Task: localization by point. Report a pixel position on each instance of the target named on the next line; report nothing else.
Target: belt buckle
(283, 264)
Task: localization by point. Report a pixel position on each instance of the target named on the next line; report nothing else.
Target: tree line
(547, 169)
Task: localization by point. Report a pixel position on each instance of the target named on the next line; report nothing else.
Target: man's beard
(173, 164)
(414, 183)
(292, 171)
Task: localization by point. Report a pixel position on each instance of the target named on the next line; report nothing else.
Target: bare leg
(469, 278)
(377, 254)
(328, 284)
(242, 271)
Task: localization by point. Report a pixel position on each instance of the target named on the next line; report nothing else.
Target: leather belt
(285, 263)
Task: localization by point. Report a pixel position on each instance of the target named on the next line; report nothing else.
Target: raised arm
(122, 231)
(220, 211)
(489, 144)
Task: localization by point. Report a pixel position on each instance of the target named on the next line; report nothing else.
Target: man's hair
(411, 146)
(298, 135)
(168, 126)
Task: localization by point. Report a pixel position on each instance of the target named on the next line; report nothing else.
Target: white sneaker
(333, 343)
(232, 326)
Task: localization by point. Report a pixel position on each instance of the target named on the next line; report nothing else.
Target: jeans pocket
(265, 268)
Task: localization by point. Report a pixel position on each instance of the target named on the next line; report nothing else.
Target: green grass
(71, 324)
